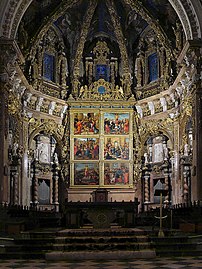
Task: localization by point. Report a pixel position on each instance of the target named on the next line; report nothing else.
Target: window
(49, 67)
(153, 67)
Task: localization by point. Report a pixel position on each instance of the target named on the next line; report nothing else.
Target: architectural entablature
(100, 104)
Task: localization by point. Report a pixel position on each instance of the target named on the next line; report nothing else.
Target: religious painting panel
(116, 148)
(86, 174)
(116, 123)
(86, 123)
(48, 66)
(153, 67)
(116, 173)
(102, 72)
(86, 148)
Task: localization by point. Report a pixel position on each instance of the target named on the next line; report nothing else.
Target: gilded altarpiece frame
(101, 142)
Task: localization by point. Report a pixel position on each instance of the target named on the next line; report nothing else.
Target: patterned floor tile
(158, 263)
(143, 265)
(174, 266)
(196, 265)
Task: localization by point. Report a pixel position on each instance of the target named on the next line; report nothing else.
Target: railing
(31, 217)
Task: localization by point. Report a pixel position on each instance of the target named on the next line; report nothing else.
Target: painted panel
(48, 66)
(86, 148)
(86, 123)
(116, 123)
(116, 173)
(86, 174)
(116, 148)
(102, 72)
(153, 67)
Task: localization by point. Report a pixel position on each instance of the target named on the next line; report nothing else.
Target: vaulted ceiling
(123, 23)
(188, 12)
(133, 18)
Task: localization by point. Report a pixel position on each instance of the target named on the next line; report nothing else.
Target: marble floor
(164, 263)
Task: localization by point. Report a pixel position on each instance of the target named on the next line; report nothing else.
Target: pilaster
(7, 59)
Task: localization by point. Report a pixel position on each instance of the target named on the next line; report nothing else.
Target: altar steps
(28, 245)
(74, 244)
(101, 244)
(178, 245)
(80, 244)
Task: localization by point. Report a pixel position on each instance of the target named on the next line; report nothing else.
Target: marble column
(146, 188)
(55, 185)
(186, 182)
(35, 199)
(167, 184)
(25, 183)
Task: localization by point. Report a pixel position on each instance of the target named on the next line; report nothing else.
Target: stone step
(34, 241)
(178, 253)
(175, 246)
(172, 242)
(23, 255)
(102, 246)
(28, 248)
(6, 241)
(102, 232)
(169, 239)
(100, 255)
(39, 234)
(95, 238)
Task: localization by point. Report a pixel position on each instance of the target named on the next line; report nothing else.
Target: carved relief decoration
(46, 125)
(109, 92)
(154, 127)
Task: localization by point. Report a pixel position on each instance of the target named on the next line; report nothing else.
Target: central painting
(101, 142)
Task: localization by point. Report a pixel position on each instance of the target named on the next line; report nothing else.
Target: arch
(188, 12)
(156, 133)
(12, 16)
(37, 132)
(181, 12)
(14, 11)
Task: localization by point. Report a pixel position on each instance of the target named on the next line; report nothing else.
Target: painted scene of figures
(116, 173)
(116, 123)
(116, 148)
(86, 174)
(86, 123)
(86, 148)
